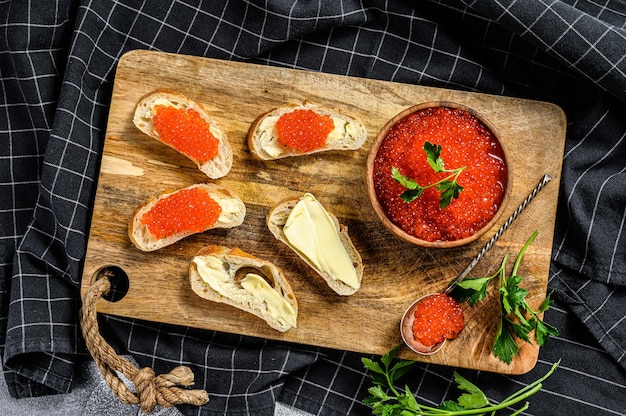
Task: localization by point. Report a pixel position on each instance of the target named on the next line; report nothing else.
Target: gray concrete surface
(91, 397)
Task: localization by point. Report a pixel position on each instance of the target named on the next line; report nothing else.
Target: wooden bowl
(378, 208)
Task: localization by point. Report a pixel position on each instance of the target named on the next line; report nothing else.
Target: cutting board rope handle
(151, 390)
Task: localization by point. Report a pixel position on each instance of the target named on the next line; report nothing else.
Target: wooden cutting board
(136, 167)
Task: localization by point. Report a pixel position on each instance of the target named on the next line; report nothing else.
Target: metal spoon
(406, 323)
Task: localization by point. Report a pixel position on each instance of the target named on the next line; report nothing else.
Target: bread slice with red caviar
(302, 129)
(185, 126)
(342, 273)
(173, 215)
(247, 282)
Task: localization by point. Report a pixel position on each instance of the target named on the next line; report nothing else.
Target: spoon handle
(546, 178)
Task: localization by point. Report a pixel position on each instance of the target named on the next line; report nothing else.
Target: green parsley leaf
(449, 190)
(518, 319)
(520, 330)
(543, 330)
(377, 392)
(433, 155)
(478, 283)
(411, 195)
(403, 180)
(472, 290)
(408, 399)
(451, 406)
(372, 365)
(474, 398)
(448, 187)
(400, 369)
(387, 359)
(414, 190)
(388, 400)
(514, 293)
(547, 302)
(504, 346)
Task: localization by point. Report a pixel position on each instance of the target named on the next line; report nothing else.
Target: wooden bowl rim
(396, 230)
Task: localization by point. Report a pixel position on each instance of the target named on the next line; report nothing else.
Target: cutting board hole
(119, 282)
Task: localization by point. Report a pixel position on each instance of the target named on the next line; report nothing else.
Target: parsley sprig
(517, 318)
(388, 400)
(448, 186)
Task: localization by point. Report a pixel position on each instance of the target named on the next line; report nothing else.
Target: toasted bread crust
(261, 135)
(276, 219)
(215, 168)
(145, 241)
(238, 259)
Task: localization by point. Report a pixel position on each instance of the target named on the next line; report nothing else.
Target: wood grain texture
(135, 167)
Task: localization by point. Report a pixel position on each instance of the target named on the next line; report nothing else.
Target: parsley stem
(521, 409)
(405, 404)
(390, 384)
(454, 173)
(493, 408)
(518, 260)
(502, 271)
(448, 188)
(538, 381)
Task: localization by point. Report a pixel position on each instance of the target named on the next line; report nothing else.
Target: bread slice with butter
(318, 238)
(143, 118)
(233, 212)
(239, 279)
(349, 133)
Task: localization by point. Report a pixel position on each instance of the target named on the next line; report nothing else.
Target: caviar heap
(465, 141)
(303, 130)
(437, 317)
(190, 210)
(186, 131)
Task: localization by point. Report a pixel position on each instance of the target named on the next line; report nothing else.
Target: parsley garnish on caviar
(386, 399)
(517, 318)
(448, 186)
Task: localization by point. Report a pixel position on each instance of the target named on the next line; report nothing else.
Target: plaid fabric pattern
(57, 63)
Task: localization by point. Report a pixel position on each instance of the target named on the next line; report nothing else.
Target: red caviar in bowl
(186, 210)
(303, 130)
(465, 141)
(438, 317)
(186, 131)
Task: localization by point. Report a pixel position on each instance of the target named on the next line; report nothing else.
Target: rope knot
(146, 390)
(150, 390)
(178, 376)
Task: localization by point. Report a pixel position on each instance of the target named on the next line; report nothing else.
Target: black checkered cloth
(57, 63)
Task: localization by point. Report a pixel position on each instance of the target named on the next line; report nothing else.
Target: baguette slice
(229, 268)
(349, 133)
(214, 168)
(277, 218)
(232, 215)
